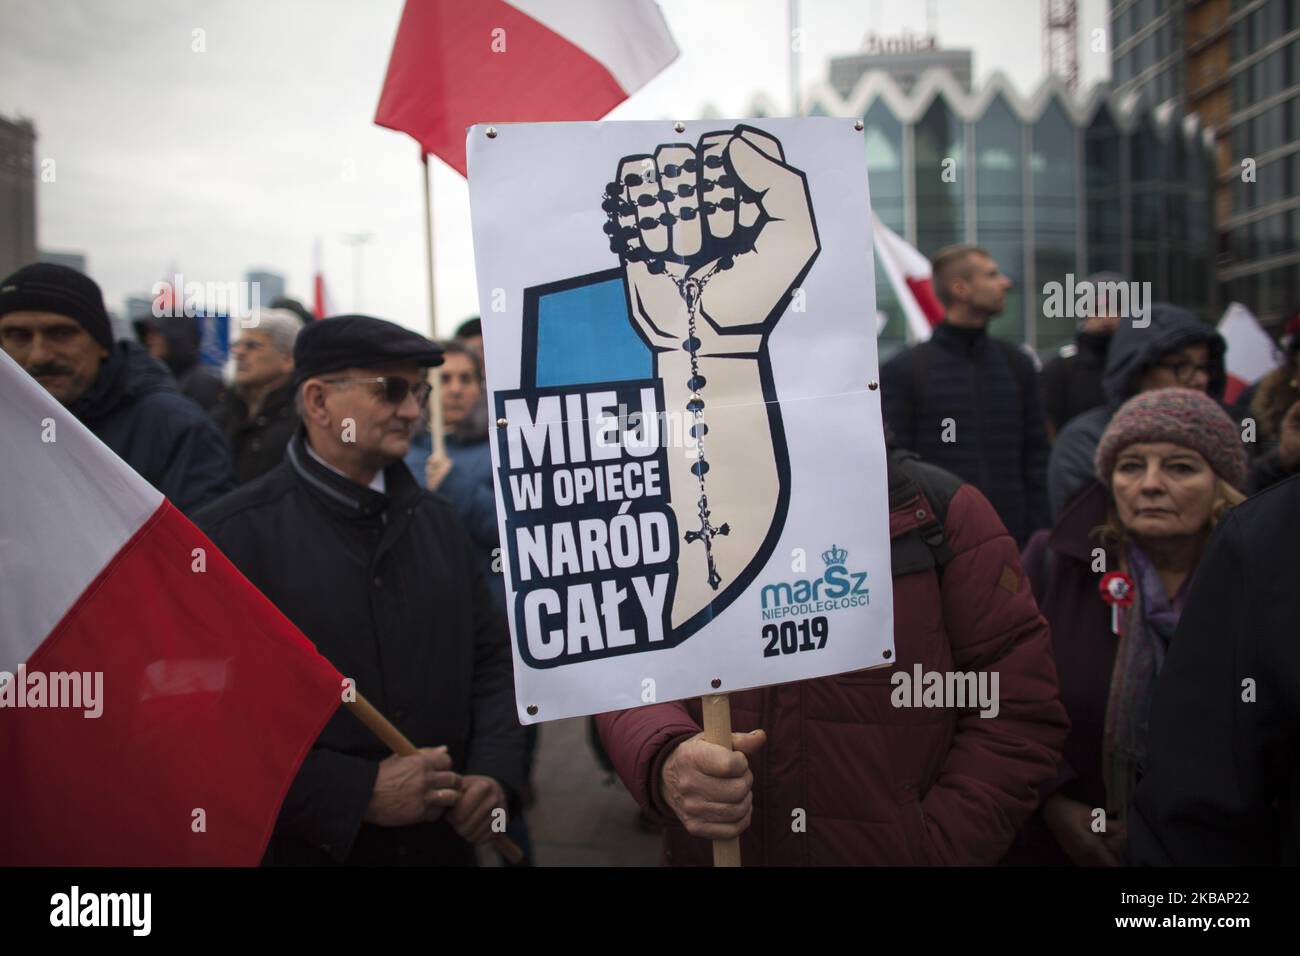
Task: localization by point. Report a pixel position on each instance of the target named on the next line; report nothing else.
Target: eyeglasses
(1184, 371)
(247, 345)
(395, 388)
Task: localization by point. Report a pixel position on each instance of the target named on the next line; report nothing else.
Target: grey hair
(280, 325)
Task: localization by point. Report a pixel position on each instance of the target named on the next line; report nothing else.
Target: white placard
(679, 326)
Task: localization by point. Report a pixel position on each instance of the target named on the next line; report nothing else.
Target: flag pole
(796, 104)
(717, 730)
(397, 742)
(435, 379)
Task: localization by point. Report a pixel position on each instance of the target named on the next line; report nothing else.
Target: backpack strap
(910, 480)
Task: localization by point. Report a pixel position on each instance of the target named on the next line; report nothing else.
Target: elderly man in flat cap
(53, 323)
(381, 576)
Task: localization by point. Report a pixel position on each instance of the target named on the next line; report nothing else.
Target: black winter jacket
(1071, 380)
(387, 586)
(196, 381)
(135, 409)
(258, 442)
(988, 389)
(1222, 784)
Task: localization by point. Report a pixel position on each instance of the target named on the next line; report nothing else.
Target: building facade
(1236, 63)
(905, 59)
(1052, 185)
(17, 195)
(1148, 52)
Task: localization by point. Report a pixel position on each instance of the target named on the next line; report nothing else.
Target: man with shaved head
(968, 402)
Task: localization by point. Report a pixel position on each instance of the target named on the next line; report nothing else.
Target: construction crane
(1060, 40)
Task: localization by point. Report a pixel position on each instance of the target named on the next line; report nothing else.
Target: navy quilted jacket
(972, 406)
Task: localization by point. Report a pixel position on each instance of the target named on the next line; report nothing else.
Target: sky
(247, 153)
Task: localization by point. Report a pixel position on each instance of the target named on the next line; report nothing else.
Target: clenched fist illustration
(714, 240)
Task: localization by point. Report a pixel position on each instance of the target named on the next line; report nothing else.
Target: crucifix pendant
(690, 289)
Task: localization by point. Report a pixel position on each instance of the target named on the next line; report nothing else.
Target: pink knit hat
(1181, 416)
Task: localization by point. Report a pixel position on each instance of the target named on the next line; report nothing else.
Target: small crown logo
(835, 556)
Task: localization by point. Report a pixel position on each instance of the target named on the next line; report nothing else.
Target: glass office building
(1050, 184)
(1260, 265)
(1235, 63)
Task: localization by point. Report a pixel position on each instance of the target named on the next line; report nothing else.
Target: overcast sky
(240, 156)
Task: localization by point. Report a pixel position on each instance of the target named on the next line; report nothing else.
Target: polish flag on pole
(909, 274)
(320, 303)
(1251, 353)
(154, 706)
(456, 63)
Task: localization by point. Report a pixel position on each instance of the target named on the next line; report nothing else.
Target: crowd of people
(1105, 535)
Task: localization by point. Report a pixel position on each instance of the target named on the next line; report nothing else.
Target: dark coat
(989, 390)
(1059, 563)
(1265, 471)
(133, 407)
(196, 381)
(469, 488)
(1071, 380)
(882, 784)
(258, 442)
(387, 587)
(1132, 351)
(1222, 786)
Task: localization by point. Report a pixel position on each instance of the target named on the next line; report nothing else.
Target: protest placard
(679, 322)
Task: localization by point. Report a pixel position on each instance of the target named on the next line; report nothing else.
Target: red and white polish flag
(456, 63)
(156, 705)
(909, 273)
(1251, 353)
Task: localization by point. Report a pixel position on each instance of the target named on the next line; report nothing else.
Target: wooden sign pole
(397, 742)
(717, 730)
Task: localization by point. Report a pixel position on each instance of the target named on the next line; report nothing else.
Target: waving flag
(1251, 354)
(154, 706)
(909, 274)
(456, 63)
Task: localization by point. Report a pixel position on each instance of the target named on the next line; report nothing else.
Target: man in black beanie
(53, 323)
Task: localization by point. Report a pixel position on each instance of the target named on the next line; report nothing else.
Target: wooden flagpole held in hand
(717, 730)
(435, 379)
(396, 741)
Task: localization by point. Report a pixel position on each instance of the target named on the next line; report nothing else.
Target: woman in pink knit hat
(1111, 578)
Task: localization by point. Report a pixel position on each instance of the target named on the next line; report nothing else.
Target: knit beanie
(1181, 416)
(46, 287)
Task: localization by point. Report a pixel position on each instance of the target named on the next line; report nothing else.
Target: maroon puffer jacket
(879, 784)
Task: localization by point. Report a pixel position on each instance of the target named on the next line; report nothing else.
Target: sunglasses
(395, 388)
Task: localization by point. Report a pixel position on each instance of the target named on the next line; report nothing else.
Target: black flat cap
(358, 341)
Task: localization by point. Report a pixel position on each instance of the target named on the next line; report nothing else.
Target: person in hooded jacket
(1174, 349)
(174, 341)
(53, 323)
